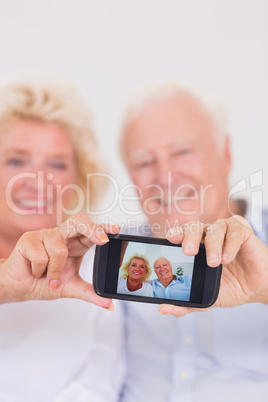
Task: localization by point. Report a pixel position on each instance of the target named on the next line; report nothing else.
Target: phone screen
(143, 269)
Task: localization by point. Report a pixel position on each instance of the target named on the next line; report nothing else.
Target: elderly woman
(51, 351)
(134, 274)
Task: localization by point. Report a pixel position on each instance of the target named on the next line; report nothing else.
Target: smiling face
(137, 270)
(163, 270)
(36, 162)
(172, 156)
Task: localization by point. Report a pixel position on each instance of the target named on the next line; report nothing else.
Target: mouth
(30, 203)
(172, 200)
(185, 194)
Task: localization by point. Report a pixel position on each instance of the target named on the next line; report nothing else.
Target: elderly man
(176, 149)
(168, 285)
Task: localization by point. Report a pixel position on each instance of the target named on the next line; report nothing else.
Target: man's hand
(232, 243)
(45, 264)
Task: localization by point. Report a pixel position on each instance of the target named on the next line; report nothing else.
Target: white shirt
(145, 290)
(62, 350)
(219, 355)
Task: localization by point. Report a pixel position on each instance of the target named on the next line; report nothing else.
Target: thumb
(80, 289)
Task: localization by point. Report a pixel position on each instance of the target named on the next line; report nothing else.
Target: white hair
(150, 94)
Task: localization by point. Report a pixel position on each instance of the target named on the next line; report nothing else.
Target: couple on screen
(136, 271)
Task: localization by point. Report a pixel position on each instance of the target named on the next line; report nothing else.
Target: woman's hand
(45, 264)
(232, 243)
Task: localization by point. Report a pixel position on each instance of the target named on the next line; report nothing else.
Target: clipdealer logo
(52, 195)
(253, 188)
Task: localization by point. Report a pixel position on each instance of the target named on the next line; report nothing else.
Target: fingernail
(213, 257)
(101, 235)
(224, 256)
(175, 231)
(111, 307)
(53, 284)
(189, 247)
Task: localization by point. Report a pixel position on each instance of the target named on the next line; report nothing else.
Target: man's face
(172, 156)
(163, 270)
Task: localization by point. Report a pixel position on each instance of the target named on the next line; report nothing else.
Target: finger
(193, 233)
(190, 235)
(83, 290)
(177, 311)
(214, 240)
(32, 248)
(238, 231)
(111, 228)
(57, 253)
(82, 226)
(168, 309)
(175, 235)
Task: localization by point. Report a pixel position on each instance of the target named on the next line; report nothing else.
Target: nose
(36, 178)
(163, 171)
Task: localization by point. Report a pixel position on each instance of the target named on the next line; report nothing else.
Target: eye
(180, 152)
(15, 162)
(143, 164)
(146, 163)
(59, 165)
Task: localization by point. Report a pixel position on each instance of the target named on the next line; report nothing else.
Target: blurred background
(108, 48)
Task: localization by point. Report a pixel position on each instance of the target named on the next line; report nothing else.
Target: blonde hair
(53, 102)
(126, 265)
(149, 94)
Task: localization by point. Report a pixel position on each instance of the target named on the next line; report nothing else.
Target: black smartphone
(153, 270)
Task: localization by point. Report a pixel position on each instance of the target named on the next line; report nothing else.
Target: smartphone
(152, 270)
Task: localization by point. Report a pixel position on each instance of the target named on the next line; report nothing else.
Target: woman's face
(36, 163)
(137, 269)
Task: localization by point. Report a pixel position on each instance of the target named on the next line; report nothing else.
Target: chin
(160, 224)
(172, 214)
(182, 219)
(35, 222)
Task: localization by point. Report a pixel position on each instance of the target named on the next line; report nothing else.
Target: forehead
(161, 261)
(31, 136)
(137, 260)
(179, 119)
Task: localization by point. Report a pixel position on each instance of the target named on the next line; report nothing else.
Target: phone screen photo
(154, 270)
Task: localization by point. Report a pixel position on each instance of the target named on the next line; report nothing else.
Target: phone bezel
(209, 286)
